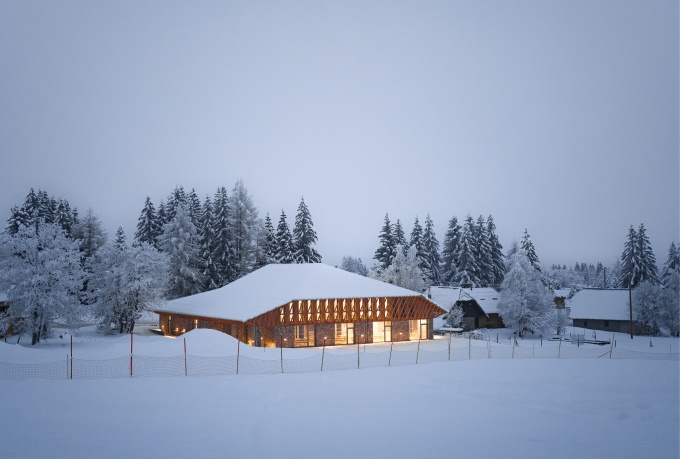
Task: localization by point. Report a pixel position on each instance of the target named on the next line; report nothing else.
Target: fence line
(397, 354)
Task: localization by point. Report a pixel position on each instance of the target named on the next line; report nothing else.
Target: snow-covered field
(532, 408)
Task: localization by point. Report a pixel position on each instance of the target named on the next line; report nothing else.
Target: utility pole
(630, 304)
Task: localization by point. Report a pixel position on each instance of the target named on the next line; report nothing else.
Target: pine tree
(148, 226)
(483, 252)
(465, 261)
(353, 265)
(672, 266)
(222, 252)
(528, 248)
(64, 218)
(431, 250)
(90, 233)
(496, 254)
(270, 248)
(649, 271)
(399, 237)
(194, 208)
(404, 271)
(177, 198)
(449, 251)
(385, 251)
(180, 242)
(18, 218)
(417, 241)
(206, 240)
(284, 241)
(637, 260)
(243, 230)
(304, 237)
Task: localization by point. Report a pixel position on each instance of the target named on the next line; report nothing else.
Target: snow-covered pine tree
(431, 250)
(18, 218)
(352, 265)
(483, 252)
(671, 267)
(670, 300)
(404, 271)
(206, 240)
(243, 230)
(161, 216)
(449, 251)
(194, 208)
(64, 217)
(525, 304)
(260, 246)
(385, 251)
(270, 248)
(42, 277)
(648, 269)
(177, 198)
(148, 226)
(304, 237)
(399, 236)
(47, 208)
(465, 261)
(284, 241)
(454, 318)
(496, 253)
(417, 241)
(180, 242)
(90, 233)
(530, 251)
(222, 249)
(637, 259)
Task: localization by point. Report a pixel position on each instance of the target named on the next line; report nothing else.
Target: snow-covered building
(304, 305)
(480, 305)
(601, 309)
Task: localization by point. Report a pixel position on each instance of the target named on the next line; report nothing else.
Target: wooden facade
(318, 322)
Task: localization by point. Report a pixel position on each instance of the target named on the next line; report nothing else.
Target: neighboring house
(601, 309)
(304, 305)
(480, 305)
(4, 306)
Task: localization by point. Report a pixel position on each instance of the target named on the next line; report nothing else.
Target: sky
(556, 117)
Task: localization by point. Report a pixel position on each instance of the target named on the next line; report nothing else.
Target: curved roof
(277, 284)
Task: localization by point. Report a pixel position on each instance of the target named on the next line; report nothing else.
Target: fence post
(389, 363)
(358, 362)
(185, 357)
(66, 367)
(559, 348)
(71, 375)
(130, 354)
(469, 346)
(238, 353)
(323, 352)
(418, 351)
(513, 350)
(449, 345)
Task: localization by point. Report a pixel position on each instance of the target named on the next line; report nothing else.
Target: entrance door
(423, 330)
(350, 334)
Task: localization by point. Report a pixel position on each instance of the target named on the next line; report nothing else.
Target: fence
(351, 357)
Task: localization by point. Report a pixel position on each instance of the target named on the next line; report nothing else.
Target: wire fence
(344, 358)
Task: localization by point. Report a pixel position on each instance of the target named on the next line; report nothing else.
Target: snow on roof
(608, 304)
(278, 284)
(445, 296)
(561, 292)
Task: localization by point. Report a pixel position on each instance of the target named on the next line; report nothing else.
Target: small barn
(480, 305)
(304, 305)
(601, 309)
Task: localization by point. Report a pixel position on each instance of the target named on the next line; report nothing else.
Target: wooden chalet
(304, 305)
(480, 305)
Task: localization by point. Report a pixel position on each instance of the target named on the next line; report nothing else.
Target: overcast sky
(559, 117)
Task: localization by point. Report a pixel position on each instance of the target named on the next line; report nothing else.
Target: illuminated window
(195, 324)
(300, 332)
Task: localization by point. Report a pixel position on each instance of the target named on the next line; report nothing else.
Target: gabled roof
(278, 284)
(486, 298)
(606, 304)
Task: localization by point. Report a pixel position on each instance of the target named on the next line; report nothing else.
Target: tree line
(59, 266)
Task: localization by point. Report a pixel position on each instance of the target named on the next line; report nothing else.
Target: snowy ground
(533, 408)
